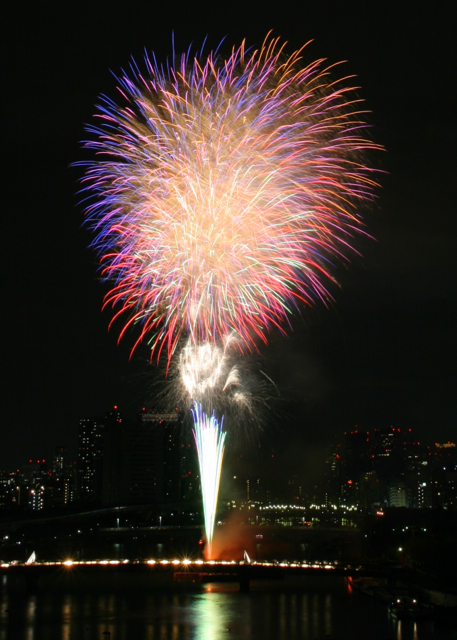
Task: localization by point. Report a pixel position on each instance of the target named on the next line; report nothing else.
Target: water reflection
(212, 617)
(310, 610)
(67, 611)
(31, 617)
(293, 614)
(282, 616)
(328, 614)
(315, 613)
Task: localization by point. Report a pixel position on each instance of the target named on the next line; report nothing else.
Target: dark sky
(385, 351)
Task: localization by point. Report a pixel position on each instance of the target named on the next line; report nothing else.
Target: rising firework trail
(210, 441)
(224, 190)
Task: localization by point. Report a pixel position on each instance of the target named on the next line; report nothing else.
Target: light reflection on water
(212, 614)
(312, 610)
(31, 617)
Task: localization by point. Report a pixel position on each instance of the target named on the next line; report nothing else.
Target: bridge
(178, 571)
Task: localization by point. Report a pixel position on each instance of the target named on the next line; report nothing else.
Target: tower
(90, 459)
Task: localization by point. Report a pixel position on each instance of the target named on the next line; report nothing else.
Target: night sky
(383, 353)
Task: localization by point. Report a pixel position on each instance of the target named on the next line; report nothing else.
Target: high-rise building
(90, 459)
(8, 489)
(388, 453)
(356, 460)
(171, 459)
(397, 495)
(369, 492)
(37, 496)
(389, 459)
(334, 474)
(146, 460)
(31, 484)
(444, 475)
(190, 489)
(116, 459)
(68, 489)
(164, 463)
(59, 460)
(33, 469)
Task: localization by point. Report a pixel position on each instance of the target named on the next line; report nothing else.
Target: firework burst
(224, 188)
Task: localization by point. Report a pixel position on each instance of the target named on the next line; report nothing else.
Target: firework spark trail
(210, 441)
(223, 190)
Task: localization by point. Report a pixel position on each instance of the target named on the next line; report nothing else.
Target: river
(313, 609)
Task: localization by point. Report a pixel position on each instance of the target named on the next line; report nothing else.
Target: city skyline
(151, 461)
